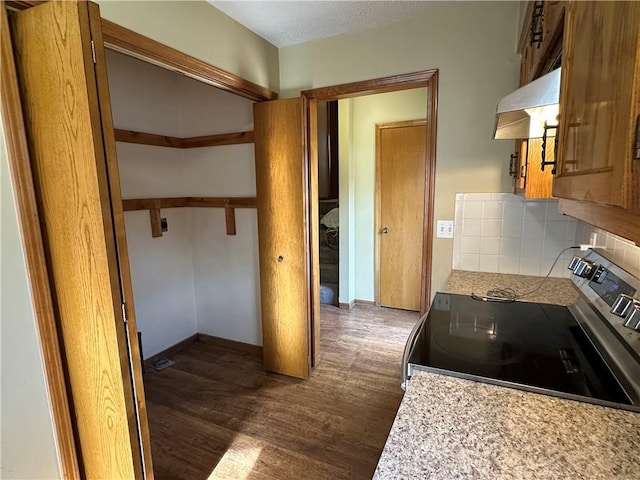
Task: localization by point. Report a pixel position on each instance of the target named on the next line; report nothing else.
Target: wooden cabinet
(599, 110)
(541, 49)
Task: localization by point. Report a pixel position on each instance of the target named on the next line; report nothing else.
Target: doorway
(353, 91)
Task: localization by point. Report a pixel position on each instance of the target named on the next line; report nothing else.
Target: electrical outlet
(164, 225)
(444, 229)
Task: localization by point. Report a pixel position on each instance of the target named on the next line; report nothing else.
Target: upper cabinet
(600, 104)
(541, 47)
(598, 147)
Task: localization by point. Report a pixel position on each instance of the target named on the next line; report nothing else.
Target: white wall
(473, 46)
(198, 29)
(364, 113)
(194, 278)
(28, 448)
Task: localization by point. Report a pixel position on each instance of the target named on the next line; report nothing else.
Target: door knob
(385, 230)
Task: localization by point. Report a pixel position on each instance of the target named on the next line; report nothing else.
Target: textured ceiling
(286, 23)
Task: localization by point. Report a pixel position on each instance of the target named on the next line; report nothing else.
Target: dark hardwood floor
(217, 414)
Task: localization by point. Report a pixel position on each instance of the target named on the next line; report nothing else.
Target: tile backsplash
(503, 233)
(624, 252)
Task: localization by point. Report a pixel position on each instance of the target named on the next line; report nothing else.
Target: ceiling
(286, 22)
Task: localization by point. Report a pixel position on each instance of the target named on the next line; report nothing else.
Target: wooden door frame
(423, 79)
(377, 201)
(130, 43)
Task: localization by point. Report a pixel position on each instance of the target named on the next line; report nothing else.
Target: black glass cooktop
(531, 344)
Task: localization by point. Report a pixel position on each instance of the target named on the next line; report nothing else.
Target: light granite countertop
(553, 290)
(448, 428)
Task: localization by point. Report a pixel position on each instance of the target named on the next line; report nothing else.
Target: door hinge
(93, 52)
(125, 316)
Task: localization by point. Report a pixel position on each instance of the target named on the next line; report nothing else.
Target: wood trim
(230, 220)
(156, 222)
(348, 306)
(131, 43)
(226, 343)
(131, 204)
(172, 350)
(365, 302)
(142, 138)
(616, 220)
(428, 79)
(29, 223)
(367, 87)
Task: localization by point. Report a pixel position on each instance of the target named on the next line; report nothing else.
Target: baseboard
(223, 342)
(167, 352)
(365, 302)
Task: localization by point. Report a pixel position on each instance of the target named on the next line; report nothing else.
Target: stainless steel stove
(588, 351)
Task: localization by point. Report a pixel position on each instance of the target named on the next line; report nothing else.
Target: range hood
(523, 113)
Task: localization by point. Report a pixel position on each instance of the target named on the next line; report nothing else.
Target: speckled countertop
(449, 428)
(554, 290)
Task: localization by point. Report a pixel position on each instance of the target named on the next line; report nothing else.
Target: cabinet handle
(636, 143)
(512, 164)
(537, 19)
(544, 162)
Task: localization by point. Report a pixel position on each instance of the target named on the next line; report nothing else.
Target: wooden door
(62, 79)
(599, 102)
(281, 186)
(400, 189)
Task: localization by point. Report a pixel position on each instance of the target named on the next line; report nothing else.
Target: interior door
(59, 62)
(281, 188)
(400, 175)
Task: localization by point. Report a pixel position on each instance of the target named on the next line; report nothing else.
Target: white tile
(492, 210)
(503, 197)
(552, 212)
(531, 247)
(619, 247)
(472, 210)
(610, 242)
(508, 264)
(558, 270)
(457, 260)
(555, 231)
(489, 263)
(510, 247)
(457, 239)
(570, 233)
(533, 229)
(458, 212)
(513, 212)
(470, 244)
(511, 229)
(477, 197)
(459, 197)
(529, 266)
(470, 261)
(535, 210)
(489, 246)
(632, 256)
(472, 228)
(491, 228)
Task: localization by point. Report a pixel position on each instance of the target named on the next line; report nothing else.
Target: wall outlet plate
(444, 229)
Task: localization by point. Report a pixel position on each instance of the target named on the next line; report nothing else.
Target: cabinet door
(57, 48)
(599, 102)
(281, 181)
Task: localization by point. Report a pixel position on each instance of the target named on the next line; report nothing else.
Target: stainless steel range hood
(522, 114)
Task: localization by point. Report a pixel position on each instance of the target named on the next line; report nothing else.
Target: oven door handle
(407, 350)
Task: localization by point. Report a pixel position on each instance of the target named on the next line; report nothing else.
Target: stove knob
(622, 305)
(633, 321)
(584, 268)
(574, 262)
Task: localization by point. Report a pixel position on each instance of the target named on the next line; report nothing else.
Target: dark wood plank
(217, 414)
(156, 222)
(130, 204)
(143, 138)
(235, 138)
